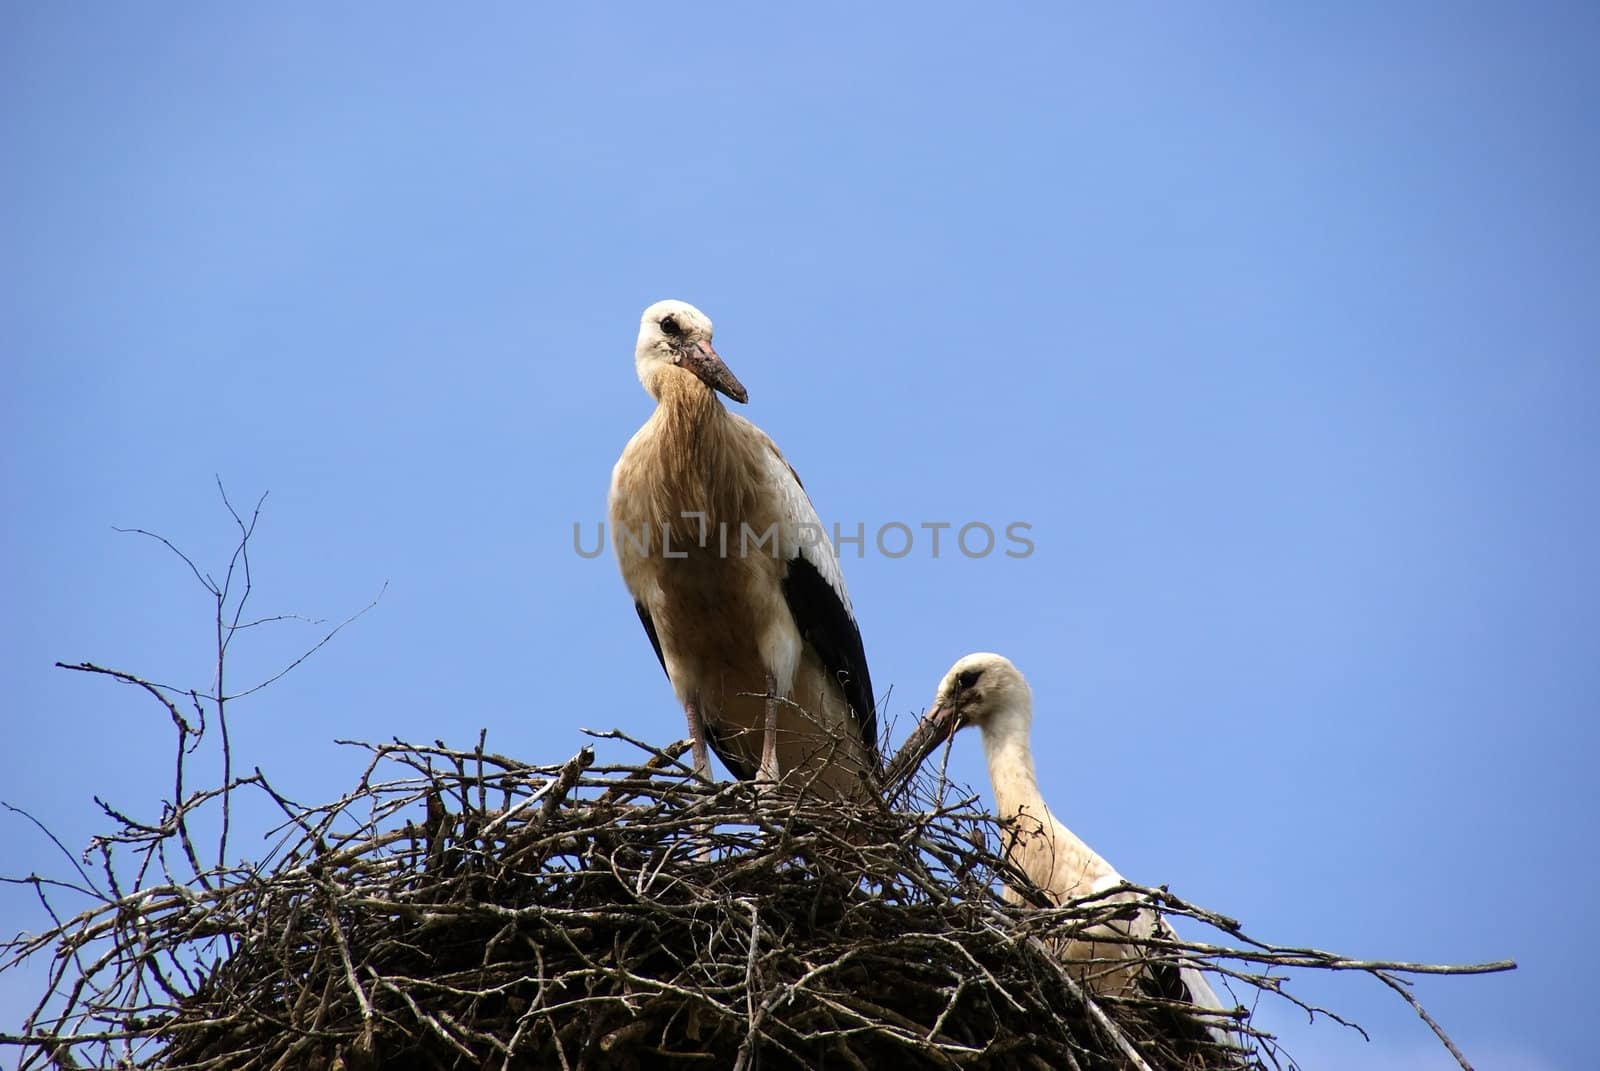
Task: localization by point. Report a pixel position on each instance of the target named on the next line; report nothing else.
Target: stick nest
(460, 909)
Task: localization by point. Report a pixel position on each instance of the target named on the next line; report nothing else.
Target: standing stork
(735, 582)
(986, 690)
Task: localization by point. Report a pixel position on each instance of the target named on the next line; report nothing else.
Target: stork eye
(670, 326)
(968, 677)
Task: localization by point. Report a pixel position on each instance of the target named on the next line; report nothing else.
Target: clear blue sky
(1276, 323)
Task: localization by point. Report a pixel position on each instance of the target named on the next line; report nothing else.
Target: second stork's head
(678, 335)
(985, 690)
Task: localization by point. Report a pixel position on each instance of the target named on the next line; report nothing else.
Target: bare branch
(286, 670)
(62, 848)
(205, 581)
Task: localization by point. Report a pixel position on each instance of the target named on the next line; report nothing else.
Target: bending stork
(986, 690)
(735, 582)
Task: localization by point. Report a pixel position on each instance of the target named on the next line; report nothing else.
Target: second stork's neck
(1005, 744)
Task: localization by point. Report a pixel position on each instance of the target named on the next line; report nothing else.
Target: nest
(460, 909)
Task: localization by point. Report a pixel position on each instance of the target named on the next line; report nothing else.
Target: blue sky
(1276, 324)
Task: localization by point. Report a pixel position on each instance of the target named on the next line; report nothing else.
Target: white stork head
(677, 333)
(985, 690)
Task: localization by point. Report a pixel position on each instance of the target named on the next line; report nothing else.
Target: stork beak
(703, 361)
(943, 719)
(936, 726)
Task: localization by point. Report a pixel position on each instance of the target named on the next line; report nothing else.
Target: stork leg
(769, 738)
(697, 736)
(702, 765)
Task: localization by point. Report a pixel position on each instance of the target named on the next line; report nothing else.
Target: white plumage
(986, 690)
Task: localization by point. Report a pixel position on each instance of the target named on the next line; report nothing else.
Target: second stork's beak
(703, 361)
(944, 719)
(935, 728)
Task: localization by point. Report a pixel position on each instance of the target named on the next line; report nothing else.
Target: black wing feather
(741, 770)
(1188, 1033)
(827, 626)
(650, 630)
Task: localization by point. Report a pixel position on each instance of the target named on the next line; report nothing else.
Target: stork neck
(686, 407)
(699, 465)
(682, 391)
(1016, 786)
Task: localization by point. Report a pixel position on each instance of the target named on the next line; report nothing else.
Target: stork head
(985, 690)
(981, 689)
(675, 333)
